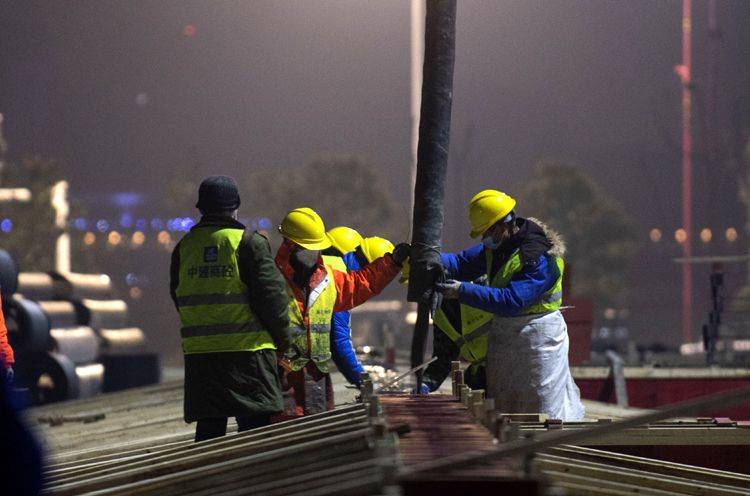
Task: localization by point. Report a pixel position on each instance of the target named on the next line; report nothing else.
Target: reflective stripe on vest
(212, 300)
(471, 338)
(315, 345)
(550, 301)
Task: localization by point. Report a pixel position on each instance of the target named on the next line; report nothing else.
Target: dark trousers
(210, 428)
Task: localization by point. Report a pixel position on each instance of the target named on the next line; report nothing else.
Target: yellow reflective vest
(314, 345)
(212, 300)
(471, 338)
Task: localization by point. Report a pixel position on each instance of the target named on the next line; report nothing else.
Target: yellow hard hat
(305, 227)
(375, 247)
(488, 207)
(344, 239)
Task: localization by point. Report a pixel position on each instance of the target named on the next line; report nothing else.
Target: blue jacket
(342, 349)
(538, 275)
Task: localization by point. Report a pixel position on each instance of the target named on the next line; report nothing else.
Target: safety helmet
(344, 239)
(375, 247)
(305, 227)
(486, 208)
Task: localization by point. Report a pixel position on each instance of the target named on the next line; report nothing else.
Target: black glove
(449, 288)
(401, 253)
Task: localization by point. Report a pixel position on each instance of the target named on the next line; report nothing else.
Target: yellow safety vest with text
(212, 300)
(313, 343)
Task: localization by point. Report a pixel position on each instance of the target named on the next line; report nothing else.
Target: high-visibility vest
(212, 300)
(550, 301)
(471, 338)
(313, 342)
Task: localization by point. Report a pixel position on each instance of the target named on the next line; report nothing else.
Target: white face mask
(490, 243)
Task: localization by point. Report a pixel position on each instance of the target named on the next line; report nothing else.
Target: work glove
(423, 389)
(401, 253)
(9, 374)
(449, 289)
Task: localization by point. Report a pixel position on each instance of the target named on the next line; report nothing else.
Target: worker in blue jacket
(527, 344)
(341, 256)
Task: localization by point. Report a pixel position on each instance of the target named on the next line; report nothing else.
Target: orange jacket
(352, 288)
(6, 352)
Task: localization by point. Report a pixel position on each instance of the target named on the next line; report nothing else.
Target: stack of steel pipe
(72, 338)
(339, 452)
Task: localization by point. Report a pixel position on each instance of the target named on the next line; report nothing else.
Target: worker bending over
(317, 290)
(527, 346)
(232, 302)
(340, 256)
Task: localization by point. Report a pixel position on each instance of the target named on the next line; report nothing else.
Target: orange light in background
(706, 235)
(655, 235)
(731, 234)
(164, 237)
(136, 293)
(114, 238)
(89, 239)
(680, 235)
(138, 238)
(189, 30)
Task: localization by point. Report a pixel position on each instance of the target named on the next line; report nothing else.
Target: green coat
(241, 383)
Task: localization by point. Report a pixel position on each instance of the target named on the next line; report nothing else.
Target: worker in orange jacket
(316, 291)
(7, 358)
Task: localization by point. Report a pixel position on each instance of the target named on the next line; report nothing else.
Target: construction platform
(135, 443)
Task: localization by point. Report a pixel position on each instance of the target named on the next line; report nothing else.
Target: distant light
(114, 238)
(131, 279)
(127, 199)
(655, 235)
(81, 224)
(366, 349)
(157, 224)
(264, 224)
(189, 30)
(141, 99)
(610, 313)
(6, 225)
(89, 239)
(164, 237)
(731, 234)
(138, 238)
(680, 235)
(141, 224)
(126, 221)
(135, 293)
(706, 235)
(102, 225)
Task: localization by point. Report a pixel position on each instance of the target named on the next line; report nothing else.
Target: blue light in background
(157, 224)
(264, 223)
(102, 225)
(127, 199)
(141, 225)
(81, 224)
(126, 220)
(6, 225)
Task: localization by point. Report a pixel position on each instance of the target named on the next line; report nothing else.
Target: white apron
(527, 367)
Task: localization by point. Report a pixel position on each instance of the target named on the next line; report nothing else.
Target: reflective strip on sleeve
(551, 298)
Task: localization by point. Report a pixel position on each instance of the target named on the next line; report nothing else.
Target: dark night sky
(270, 83)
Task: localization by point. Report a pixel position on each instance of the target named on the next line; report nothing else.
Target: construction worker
(340, 256)
(233, 307)
(316, 291)
(460, 331)
(527, 340)
(7, 358)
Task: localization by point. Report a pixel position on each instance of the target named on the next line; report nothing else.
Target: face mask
(490, 243)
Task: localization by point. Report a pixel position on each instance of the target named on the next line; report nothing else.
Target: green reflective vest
(471, 338)
(212, 300)
(312, 342)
